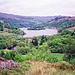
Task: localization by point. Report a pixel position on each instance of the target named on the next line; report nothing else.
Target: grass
(6, 33)
(59, 56)
(36, 68)
(21, 70)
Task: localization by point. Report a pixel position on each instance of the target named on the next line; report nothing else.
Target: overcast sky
(38, 7)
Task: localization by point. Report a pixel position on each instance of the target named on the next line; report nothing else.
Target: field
(59, 56)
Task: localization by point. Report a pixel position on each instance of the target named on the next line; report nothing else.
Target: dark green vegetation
(40, 48)
(35, 28)
(6, 27)
(34, 53)
(42, 55)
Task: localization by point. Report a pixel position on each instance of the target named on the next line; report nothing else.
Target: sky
(38, 7)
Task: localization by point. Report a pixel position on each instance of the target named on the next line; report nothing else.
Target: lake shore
(34, 33)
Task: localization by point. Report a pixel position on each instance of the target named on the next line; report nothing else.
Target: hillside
(59, 22)
(24, 21)
(62, 22)
(42, 55)
(60, 18)
(37, 21)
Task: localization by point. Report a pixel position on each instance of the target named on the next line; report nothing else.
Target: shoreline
(36, 33)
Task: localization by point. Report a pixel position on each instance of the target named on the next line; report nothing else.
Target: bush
(23, 50)
(10, 54)
(72, 61)
(18, 58)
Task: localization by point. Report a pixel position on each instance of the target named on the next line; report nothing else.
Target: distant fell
(61, 18)
(24, 21)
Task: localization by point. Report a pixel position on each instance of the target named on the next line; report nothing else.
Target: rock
(7, 64)
(2, 59)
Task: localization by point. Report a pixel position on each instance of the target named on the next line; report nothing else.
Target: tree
(35, 41)
(43, 39)
(70, 50)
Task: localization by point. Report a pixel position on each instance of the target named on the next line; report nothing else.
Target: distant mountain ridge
(24, 21)
(61, 18)
(37, 21)
(63, 22)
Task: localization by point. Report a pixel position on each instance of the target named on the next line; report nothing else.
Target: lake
(32, 33)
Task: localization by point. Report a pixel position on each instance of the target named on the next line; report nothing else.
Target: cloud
(38, 7)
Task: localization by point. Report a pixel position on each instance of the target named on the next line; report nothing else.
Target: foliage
(41, 54)
(57, 46)
(43, 39)
(10, 54)
(23, 50)
(7, 42)
(18, 58)
(72, 61)
(35, 41)
(70, 50)
(66, 32)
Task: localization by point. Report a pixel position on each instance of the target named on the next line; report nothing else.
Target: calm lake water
(32, 33)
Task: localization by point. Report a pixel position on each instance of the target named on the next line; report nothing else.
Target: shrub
(23, 50)
(18, 58)
(10, 54)
(72, 61)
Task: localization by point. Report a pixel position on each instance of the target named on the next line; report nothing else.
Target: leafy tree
(21, 50)
(20, 44)
(35, 41)
(43, 39)
(70, 50)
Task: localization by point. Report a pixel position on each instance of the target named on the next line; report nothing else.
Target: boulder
(7, 64)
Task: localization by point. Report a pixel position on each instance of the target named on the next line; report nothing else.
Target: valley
(38, 52)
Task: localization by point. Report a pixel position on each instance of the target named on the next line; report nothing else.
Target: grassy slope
(36, 68)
